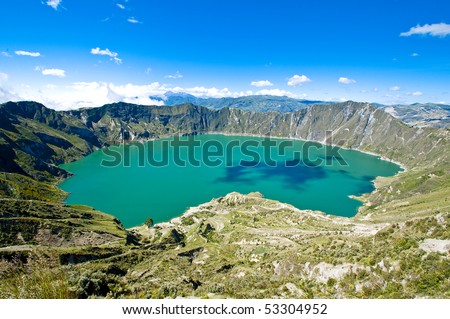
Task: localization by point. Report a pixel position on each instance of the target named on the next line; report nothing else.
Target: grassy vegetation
(40, 278)
(23, 187)
(279, 251)
(240, 246)
(37, 222)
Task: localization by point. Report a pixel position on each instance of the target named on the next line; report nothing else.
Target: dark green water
(133, 192)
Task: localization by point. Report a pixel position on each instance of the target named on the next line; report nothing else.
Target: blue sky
(75, 53)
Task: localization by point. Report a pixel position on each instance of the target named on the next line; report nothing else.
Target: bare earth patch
(435, 245)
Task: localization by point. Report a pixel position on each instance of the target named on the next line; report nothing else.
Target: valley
(237, 245)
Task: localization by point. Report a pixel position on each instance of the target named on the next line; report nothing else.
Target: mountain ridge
(257, 103)
(416, 114)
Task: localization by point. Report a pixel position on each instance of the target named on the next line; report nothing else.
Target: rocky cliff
(352, 125)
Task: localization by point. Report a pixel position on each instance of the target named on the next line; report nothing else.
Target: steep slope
(24, 222)
(351, 124)
(417, 115)
(34, 139)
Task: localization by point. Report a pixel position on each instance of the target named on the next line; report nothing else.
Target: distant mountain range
(418, 115)
(421, 115)
(255, 103)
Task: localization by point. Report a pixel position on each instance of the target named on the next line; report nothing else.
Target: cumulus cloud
(54, 3)
(417, 93)
(261, 83)
(436, 29)
(121, 6)
(394, 88)
(133, 20)
(54, 72)
(298, 80)
(346, 80)
(92, 94)
(177, 75)
(27, 53)
(113, 55)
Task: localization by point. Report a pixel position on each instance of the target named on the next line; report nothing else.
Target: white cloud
(6, 54)
(7, 95)
(346, 80)
(3, 77)
(414, 54)
(298, 80)
(201, 91)
(85, 85)
(276, 92)
(261, 83)
(133, 90)
(417, 93)
(27, 53)
(133, 20)
(436, 29)
(394, 88)
(94, 94)
(121, 6)
(177, 75)
(54, 3)
(54, 72)
(91, 94)
(107, 52)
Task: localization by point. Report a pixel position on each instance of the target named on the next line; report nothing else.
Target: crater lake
(164, 177)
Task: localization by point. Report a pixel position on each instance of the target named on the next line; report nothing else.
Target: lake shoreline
(351, 196)
(402, 166)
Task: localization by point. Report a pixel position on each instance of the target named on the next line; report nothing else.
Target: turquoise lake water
(126, 181)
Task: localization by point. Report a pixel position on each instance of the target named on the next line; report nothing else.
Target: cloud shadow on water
(294, 176)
